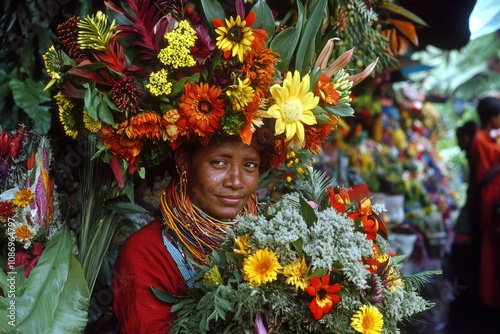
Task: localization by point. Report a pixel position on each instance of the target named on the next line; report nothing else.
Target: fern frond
(418, 280)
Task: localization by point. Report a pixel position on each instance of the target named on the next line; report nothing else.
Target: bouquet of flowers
(146, 76)
(311, 263)
(42, 283)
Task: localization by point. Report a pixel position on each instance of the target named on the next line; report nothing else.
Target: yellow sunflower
(23, 197)
(261, 267)
(235, 37)
(293, 107)
(368, 320)
(296, 273)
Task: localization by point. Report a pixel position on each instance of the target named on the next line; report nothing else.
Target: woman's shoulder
(146, 238)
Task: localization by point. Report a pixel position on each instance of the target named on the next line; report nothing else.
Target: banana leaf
(55, 297)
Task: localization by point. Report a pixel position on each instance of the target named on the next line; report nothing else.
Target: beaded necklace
(196, 231)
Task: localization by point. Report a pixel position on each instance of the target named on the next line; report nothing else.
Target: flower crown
(146, 77)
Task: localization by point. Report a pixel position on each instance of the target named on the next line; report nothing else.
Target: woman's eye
(252, 164)
(218, 162)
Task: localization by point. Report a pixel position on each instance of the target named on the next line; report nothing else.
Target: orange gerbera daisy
(202, 108)
(325, 296)
(326, 90)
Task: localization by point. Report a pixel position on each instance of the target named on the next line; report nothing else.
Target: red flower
(29, 261)
(325, 296)
(6, 211)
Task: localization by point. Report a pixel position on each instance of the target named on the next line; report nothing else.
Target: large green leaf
(56, 297)
(71, 313)
(264, 18)
(212, 10)
(29, 96)
(306, 49)
(286, 41)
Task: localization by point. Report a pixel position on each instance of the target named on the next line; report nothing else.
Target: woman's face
(221, 177)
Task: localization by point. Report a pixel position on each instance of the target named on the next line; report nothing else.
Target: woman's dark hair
(487, 108)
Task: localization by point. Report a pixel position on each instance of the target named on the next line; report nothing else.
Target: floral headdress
(149, 76)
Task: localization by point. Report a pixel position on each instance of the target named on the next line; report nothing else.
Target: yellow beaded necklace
(197, 232)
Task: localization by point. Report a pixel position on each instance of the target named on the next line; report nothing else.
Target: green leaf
(121, 205)
(394, 8)
(297, 245)
(264, 18)
(307, 212)
(306, 49)
(88, 100)
(103, 111)
(320, 272)
(165, 296)
(342, 110)
(29, 96)
(71, 312)
(286, 41)
(321, 115)
(56, 295)
(212, 10)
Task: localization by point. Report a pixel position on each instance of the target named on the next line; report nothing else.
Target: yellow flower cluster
(158, 83)
(180, 41)
(91, 124)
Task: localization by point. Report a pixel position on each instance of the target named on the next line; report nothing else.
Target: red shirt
(144, 262)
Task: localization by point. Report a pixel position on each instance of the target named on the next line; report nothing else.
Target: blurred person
(485, 155)
(462, 267)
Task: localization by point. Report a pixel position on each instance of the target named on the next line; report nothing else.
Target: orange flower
(119, 144)
(145, 125)
(325, 296)
(259, 68)
(339, 198)
(326, 90)
(317, 135)
(201, 108)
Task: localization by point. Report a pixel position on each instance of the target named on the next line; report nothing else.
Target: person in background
(485, 155)
(464, 253)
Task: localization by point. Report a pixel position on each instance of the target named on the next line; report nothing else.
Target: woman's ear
(181, 160)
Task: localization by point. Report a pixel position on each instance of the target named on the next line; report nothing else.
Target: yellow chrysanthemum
(296, 273)
(180, 41)
(65, 116)
(235, 36)
(368, 320)
(293, 107)
(241, 94)
(158, 83)
(24, 233)
(261, 267)
(22, 198)
(91, 124)
(242, 244)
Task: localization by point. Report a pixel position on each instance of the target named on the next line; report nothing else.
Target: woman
(214, 185)
(485, 153)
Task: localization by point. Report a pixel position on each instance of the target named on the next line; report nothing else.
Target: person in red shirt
(215, 183)
(485, 153)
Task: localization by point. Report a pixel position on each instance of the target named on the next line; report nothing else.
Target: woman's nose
(235, 178)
